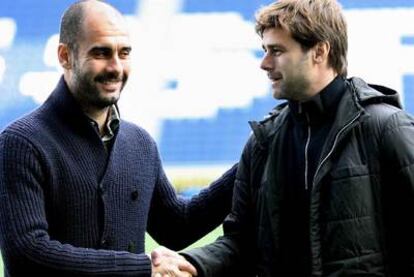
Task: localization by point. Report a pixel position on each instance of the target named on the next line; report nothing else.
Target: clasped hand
(167, 263)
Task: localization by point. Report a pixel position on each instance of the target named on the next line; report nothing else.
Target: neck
(323, 80)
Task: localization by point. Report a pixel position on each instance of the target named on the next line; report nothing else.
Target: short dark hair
(310, 22)
(71, 25)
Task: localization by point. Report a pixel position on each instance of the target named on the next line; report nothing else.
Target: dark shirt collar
(324, 104)
(111, 124)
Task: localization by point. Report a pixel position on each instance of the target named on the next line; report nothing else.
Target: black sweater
(309, 125)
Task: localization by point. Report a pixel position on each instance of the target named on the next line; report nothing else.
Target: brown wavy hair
(310, 22)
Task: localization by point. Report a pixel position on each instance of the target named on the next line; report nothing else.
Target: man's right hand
(167, 263)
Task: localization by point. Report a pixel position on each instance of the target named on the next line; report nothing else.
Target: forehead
(278, 36)
(104, 27)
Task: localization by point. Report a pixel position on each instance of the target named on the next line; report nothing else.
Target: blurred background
(196, 79)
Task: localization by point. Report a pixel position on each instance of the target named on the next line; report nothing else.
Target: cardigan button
(131, 247)
(100, 189)
(104, 243)
(134, 195)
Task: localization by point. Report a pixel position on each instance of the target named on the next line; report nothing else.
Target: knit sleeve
(177, 222)
(25, 243)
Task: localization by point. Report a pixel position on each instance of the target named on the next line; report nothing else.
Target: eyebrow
(99, 48)
(127, 48)
(107, 48)
(272, 45)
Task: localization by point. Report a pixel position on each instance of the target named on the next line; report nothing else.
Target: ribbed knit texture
(68, 208)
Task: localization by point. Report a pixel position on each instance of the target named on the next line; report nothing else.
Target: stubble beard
(294, 88)
(87, 91)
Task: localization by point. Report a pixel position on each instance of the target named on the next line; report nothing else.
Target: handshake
(167, 263)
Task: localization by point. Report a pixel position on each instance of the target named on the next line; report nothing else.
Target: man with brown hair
(325, 184)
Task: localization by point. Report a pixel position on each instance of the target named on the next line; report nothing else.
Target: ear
(321, 51)
(64, 56)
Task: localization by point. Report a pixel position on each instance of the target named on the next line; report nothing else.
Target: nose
(115, 64)
(267, 63)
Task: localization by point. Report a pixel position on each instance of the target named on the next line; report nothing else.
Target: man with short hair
(325, 184)
(79, 186)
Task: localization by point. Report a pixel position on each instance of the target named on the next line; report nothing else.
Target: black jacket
(361, 200)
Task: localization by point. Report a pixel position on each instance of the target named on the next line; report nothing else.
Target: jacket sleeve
(176, 222)
(397, 146)
(397, 173)
(233, 253)
(24, 239)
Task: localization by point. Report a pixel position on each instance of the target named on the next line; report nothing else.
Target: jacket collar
(356, 95)
(321, 106)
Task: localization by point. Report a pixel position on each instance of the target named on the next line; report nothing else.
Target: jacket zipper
(307, 152)
(334, 145)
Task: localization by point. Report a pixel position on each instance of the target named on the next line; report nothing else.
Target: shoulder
(385, 122)
(18, 138)
(136, 136)
(384, 115)
(27, 126)
(263, 133)
(264, 130)
(381, 105)
(133, 129)
(382, 111)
